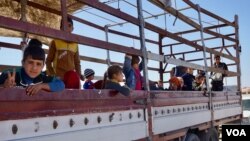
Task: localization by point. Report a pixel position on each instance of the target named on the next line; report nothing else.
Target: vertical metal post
(237, 47)
(161, 53)
(64, 15)
(145, 69)
(107, 40)
(143, 45)
(205, 62)
(23, 18)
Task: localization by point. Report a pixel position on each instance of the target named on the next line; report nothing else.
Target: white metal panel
(170, 118)
(227, 112)
(175, 122)
(122, 127)
(126, 132)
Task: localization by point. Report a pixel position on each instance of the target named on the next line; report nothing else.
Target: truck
(99, 114)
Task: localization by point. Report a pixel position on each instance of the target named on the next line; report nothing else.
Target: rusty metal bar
(196, 30)
(210, 38)
(190, 22)
(145, 69)
(48, 32)
(64, 23)
(54, 11)
(237, 48)
(160, 63)
(127, 17)
(209, 13)
(15, 104)
(187, 52)
(85, 58)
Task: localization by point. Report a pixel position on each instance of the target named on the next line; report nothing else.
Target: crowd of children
(63, 70)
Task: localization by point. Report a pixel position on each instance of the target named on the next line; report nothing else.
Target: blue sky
(223, 8)
(226, 9)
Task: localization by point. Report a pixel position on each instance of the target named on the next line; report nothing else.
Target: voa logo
(236, 132)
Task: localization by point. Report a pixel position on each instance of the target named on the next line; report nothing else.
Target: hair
(135, 60)
(114, 69)
(69, 20)
(104, 80)
(216, 56)
(199, 76)
(35, 42)
(36, 52)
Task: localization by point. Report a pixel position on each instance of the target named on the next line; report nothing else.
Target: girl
(114, 74)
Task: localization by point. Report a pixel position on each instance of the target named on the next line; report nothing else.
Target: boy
(64, 57)
(131, 70)
(188, 78)
(29, 75)
(199, 83)
(89, 75)
(217, 78)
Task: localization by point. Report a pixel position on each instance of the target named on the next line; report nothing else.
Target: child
(115, 76)
(132, 70)
(175, 83)
(89, 75)
(217, 78)
(160, 85)
(198, 84)
(29, 75)
(188, 78)
(63, 57)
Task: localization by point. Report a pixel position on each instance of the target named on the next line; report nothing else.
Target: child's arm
(127, 64)
(54, 86)
(7, 80)
(124, 90)
(141, 67)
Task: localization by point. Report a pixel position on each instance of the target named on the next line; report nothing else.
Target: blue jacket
(188, 82)
(130, 73)
(23, 80)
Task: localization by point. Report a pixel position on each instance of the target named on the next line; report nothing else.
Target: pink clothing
(138, 85)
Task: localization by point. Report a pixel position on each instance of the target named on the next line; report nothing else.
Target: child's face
(217, 60)
(135, 66)
(70, 27)
(200, 80)
(32, 67)
(91, 77)
(119, 77)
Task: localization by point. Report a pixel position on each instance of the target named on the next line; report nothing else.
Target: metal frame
(60, 104)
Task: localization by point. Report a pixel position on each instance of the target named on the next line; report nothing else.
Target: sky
(224, 8)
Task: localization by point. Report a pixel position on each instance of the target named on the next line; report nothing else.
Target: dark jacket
(23, 80)
(179, 71)
(188, 82)
(116, 86)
